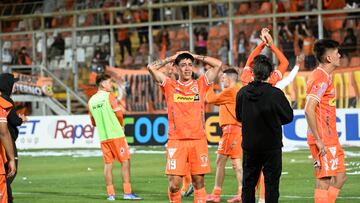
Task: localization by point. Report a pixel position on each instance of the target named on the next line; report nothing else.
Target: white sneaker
(111, 198)
(261, 201)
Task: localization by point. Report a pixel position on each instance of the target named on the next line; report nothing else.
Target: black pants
(125, 44)
(270, 162)
(10, 180)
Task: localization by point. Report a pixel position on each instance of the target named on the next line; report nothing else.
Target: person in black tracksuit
(6, 85)
(262, 109)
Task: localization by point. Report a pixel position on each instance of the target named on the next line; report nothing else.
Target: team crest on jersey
(195, 89)
(204, 160)
(332, 102)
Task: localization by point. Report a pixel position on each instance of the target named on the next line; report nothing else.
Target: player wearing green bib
(106, 115)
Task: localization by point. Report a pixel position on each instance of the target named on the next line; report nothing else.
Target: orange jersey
(247, 75)
(308, 45)
(5, 108)
(186, 107)
(320, 87)
(226, 100)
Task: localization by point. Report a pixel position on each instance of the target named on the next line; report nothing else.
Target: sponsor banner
(151, 129)
(33, 84)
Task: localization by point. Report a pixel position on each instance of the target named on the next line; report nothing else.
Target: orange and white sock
(200, 195)
(216, 191)
(321, 196)
(174, 197)
(110, 190)
(333, 193)
(127, 188)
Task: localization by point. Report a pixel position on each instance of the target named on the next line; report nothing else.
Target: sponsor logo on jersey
(184, 98)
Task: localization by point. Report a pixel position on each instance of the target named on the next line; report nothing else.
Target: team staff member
(262, 109)
(108, 119)
(185, 99)
(320, 112)
(6, 144)
(7, 82)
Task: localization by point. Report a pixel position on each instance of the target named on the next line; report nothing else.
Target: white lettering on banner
(77, 132)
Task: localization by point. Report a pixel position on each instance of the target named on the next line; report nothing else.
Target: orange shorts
(115, 149)
(183, 155)
(3, 189)
(230, 143)
(330, 164)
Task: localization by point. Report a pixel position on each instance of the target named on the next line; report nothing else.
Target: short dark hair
(101, 77)
(232, 73)
(322, 46)
(262, 67)
(183, 56)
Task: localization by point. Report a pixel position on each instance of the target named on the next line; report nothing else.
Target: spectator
(220, 9)
(200, 43)
(163, 41)
(123, 38)
(23, 57)
(307, 46)
(350, 42)
(241, 49)
(49, 6)
(143, 32)
(224, 52)
(58, 47)
(287, 44)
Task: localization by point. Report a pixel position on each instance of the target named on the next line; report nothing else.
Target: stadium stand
(95, 29)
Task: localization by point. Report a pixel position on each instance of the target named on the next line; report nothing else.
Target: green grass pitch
(70, 179)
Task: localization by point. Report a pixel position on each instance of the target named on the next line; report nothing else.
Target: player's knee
(236, 165)
(220, 161)
(198, 182)
(173, 188)
(342, 179)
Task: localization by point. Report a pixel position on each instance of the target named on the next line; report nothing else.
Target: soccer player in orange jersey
(230, 143)
(5, 143)
(185, 100)
(322, 136)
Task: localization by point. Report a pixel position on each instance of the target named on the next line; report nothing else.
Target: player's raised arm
(284, 63)
(216, 64)
(154, 68)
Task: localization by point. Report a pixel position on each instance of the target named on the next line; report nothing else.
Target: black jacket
(6, 85)
(262, 109)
